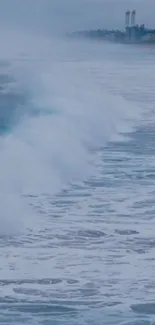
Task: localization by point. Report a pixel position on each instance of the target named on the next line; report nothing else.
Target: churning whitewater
(76, 182)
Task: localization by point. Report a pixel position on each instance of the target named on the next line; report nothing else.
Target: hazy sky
(66, 15)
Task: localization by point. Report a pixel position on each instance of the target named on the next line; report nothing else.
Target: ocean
(77, 182)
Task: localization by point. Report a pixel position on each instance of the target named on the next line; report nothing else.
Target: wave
(56, 116)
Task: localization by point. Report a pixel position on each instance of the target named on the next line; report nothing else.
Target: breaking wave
(55, 114)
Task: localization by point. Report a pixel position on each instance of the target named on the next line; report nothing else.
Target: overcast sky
(64, 15)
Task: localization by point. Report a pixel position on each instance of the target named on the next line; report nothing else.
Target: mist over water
(76, 172)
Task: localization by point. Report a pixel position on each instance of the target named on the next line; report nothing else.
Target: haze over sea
(77, 167)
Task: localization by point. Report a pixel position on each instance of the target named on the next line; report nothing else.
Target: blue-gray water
(77, 185)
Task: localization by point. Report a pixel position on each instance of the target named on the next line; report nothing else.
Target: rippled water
(77, 190)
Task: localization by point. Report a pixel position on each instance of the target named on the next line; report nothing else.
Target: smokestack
(133, 18)
(127, 18)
